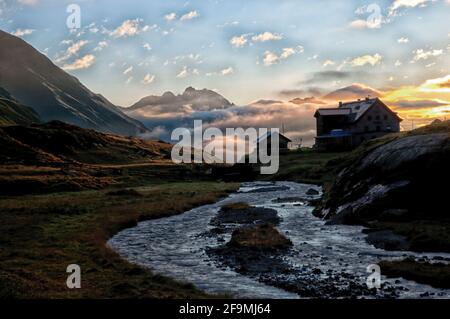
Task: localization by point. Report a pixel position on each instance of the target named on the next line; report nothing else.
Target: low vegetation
(263, 236)
(40, 235)
(433, 274)
(235, 206)
(306, 166)
(422, 235)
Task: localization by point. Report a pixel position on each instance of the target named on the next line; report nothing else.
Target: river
(176, 247)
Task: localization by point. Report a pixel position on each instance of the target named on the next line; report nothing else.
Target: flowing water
(176, 246)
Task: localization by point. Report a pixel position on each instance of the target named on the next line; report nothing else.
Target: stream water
(176, 247)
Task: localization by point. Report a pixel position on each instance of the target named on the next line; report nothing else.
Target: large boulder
(403, 179)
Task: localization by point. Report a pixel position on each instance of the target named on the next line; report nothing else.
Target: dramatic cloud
(307, 100)
(332, 76)
(353, 92)
(148, 79)
(72, 50)
(23, 32)
(296, 93)
(266, 36)
(189, 16)
(419, 104)
(441, 85)
(82, 63)
(366, 59)
(421, 54)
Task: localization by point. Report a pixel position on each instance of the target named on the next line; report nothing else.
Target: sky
(249, 50)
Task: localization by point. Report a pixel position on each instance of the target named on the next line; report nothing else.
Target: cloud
(366, 24)
(398, 4)
(297, 119)
(72, 50)
(170, 16)
(295, 93)
(128, 70)
(22, 32)
(332, 76)
(353, 92)
(419, 104)
(130, 28)
(239, 41)
(149, 78)
(28, 2)
(441, 85)
(403, 40)
(422, 54)
(147, 46)
(366, 59)
(307, 100)
(101, 45)
(223, 72)
(227, 71)
(266, 36)
(271, 58)
(185, 72)
(328, 62)
(189, 16)
(82, 63)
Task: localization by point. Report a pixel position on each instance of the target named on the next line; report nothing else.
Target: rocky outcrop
(403, 179)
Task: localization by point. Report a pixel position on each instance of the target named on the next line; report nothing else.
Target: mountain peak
(199, 100)
(189, 90)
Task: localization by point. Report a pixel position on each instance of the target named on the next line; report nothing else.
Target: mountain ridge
(35, 81)
(198, 100)
(12, 112)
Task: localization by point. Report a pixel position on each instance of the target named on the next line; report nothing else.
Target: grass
(306, 166)
(422, 235)
(40, 235)
(235, 206)
(436, 274)
(263, 236)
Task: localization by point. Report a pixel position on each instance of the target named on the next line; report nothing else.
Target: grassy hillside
(69, 144)
(55, 157)
(13, 113)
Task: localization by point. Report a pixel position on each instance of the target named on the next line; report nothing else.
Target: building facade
(353, 123)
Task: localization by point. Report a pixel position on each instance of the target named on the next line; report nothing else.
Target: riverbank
(40, 235)
(217, 248)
